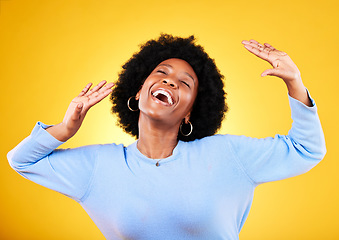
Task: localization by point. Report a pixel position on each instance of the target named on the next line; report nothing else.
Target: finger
(96, 88)
(257, 45)
(272, 72)
(107, 86)
(100, 97)
(262, 51)
(85, 90)
(253, 41)
(77, 111)
(257, 51)
(269, 46)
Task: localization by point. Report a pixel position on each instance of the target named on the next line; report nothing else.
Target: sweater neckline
(153, 161)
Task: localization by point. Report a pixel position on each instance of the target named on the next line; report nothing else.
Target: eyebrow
(168, 65)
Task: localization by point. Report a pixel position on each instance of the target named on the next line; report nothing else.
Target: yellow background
(49, 50)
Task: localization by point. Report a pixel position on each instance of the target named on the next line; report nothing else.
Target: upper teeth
(169, 98)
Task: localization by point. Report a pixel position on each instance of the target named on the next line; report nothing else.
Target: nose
(170, 83)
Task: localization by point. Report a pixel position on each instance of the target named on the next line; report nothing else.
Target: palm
(79, 106)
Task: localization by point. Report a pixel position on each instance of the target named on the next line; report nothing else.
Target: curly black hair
(209, 107)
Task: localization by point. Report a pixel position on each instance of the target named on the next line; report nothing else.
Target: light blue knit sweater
(203, 191)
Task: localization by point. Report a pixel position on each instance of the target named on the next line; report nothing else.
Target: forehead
(179, 65)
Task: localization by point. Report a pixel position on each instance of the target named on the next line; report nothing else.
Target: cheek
(188, 98)
(143, 98)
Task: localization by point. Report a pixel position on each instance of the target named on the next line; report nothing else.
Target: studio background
(50, 49)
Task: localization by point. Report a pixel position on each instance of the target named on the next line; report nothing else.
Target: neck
(156, 139)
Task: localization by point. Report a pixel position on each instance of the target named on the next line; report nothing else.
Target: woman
(178, 180)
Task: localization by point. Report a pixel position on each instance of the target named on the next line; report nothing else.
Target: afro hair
(209, 107)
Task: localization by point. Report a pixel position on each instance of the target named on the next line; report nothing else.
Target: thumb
(272, 72)
(77, 111)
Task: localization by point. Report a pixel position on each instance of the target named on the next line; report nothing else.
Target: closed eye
(161, 71)
(186, 84)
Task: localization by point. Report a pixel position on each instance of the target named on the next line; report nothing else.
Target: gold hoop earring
(191, 130)
(133, 110)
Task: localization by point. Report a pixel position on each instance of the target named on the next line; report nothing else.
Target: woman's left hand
(283, 67)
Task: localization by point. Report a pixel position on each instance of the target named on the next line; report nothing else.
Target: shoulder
(221, 142)
(110, 149)
(214, 141)
(92, 151)
(217, 139)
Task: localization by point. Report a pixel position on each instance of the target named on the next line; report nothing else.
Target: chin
(154, 114)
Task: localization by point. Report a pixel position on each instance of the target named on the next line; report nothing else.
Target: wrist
(295, 85)
(298, 91)
(60, 132)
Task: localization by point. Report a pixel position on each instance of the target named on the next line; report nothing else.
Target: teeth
(169, 98)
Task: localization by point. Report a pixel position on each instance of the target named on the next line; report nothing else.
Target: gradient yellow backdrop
(50, 49)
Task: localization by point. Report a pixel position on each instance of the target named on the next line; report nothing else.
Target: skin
(283, 67)
(158, 123)
(78, 109)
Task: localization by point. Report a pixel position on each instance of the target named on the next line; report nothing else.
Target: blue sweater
(203, 191)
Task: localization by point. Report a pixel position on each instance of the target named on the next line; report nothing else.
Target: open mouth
(163, 96)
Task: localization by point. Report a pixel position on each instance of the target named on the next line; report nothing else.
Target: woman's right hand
(77, 110)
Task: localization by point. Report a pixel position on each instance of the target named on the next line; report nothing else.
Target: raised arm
(67, 171)
(282, 156)
(283, 67)
(78, 109)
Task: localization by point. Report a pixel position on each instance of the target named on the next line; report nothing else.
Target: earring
(191, 129)
(133, 110)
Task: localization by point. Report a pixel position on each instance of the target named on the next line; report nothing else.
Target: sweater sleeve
(284, 156)
(67, 171)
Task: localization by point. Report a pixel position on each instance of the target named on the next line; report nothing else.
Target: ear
(137, 96)
(187, 118)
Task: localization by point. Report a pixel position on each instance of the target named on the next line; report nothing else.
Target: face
(169, 92)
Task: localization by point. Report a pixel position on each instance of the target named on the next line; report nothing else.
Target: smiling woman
(172, 183)
(166, 99)
(209, 107)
